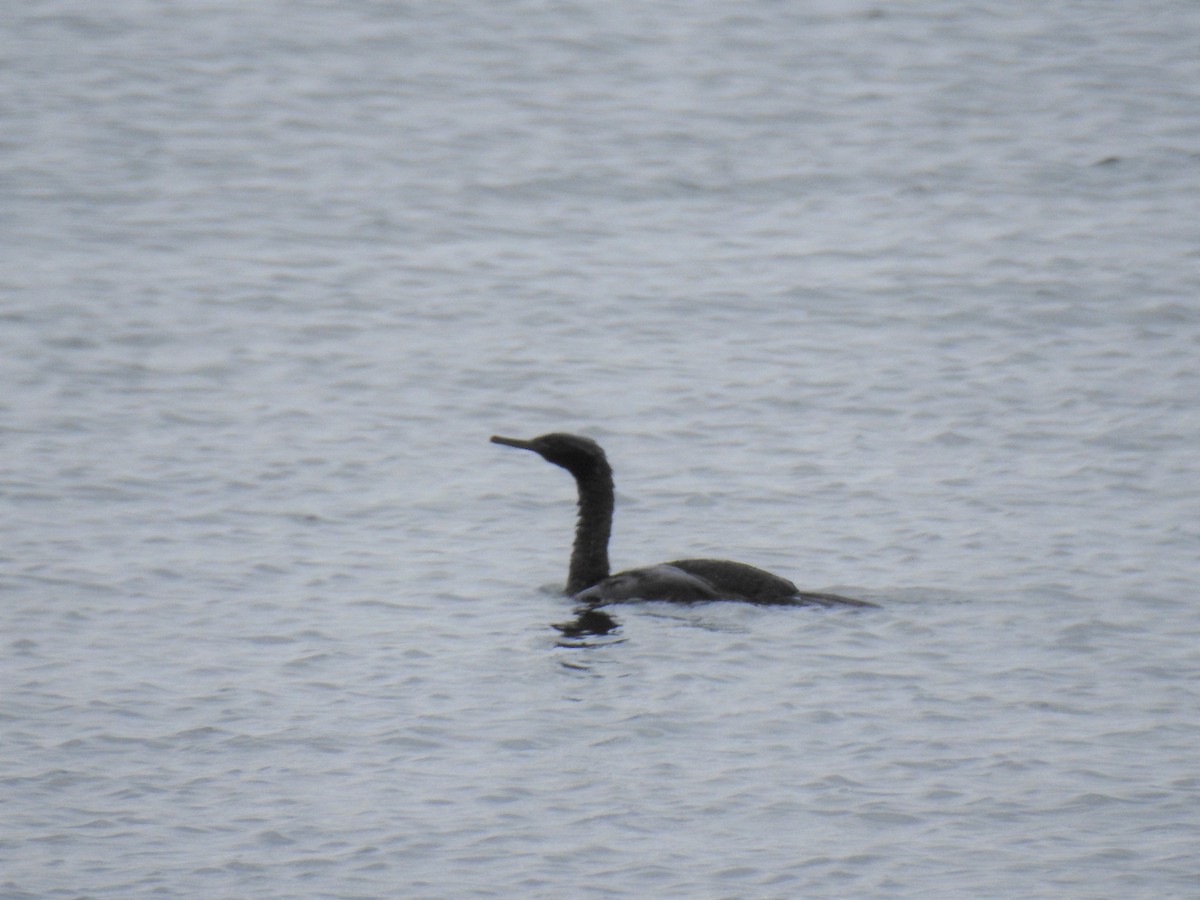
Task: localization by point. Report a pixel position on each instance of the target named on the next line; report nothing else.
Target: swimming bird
(683, 580)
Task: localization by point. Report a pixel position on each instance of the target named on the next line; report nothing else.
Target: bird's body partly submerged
(684, 580)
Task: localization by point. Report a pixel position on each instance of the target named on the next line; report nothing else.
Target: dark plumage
(684, 580)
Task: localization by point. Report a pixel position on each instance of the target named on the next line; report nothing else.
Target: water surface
(895, 302)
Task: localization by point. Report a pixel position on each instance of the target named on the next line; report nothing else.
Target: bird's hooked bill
(512, 442)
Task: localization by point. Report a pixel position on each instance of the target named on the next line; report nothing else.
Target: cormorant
(683, 580)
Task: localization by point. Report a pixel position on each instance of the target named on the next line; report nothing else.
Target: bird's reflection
(588, 622)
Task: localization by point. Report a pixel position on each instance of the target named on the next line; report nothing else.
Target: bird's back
(739, 581)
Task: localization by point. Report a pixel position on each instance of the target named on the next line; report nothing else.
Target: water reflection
(588, 622)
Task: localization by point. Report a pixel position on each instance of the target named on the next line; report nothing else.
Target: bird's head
(578, 455)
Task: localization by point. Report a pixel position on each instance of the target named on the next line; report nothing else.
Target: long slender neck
(589, 556)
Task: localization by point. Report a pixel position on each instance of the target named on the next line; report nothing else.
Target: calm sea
(898, 300)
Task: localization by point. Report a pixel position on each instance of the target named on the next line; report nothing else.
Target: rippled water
(899, 301)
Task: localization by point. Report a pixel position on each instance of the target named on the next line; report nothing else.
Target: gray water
(898, 300)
